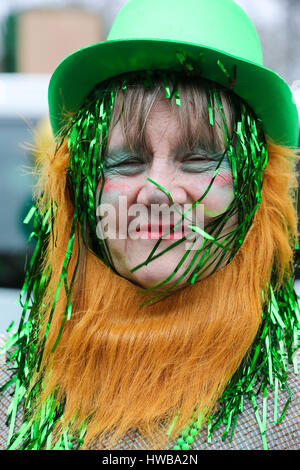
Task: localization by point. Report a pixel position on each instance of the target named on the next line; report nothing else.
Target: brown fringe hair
(124, 367)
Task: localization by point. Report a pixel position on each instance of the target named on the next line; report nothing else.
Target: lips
(154, 232)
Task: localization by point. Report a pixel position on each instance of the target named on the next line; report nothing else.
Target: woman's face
(135, 212)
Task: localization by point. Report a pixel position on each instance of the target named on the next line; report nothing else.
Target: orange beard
(126, 367)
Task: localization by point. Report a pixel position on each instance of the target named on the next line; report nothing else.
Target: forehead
(162, 124)
(140, 116)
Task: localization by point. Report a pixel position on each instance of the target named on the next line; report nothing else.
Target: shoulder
(279, 434)
(273, 425)
(4, 397)
(6, 390)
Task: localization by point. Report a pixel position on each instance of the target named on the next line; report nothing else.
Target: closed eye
(197, 163)
(134, 161)
(124, 164)
(196, 158)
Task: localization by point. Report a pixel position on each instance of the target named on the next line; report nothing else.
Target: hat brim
(264, 90)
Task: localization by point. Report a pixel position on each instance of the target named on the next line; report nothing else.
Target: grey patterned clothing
(282, 436)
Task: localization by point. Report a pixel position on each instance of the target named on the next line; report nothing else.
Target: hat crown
(217, 24)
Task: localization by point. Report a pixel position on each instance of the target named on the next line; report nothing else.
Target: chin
(157, 271)
(150, 276)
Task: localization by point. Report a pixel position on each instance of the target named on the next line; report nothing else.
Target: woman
(162, 290)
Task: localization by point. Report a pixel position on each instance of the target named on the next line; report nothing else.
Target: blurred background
(35, 35)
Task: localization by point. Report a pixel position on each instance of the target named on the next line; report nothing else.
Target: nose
(162, 186)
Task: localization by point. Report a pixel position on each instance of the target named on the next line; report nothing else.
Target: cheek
(111, 185)
(117, 196)
(112, 190)
(219, 196)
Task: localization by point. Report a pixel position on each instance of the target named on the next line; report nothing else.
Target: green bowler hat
(217, 37)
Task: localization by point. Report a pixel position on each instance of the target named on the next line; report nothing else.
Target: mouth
(168, 232)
